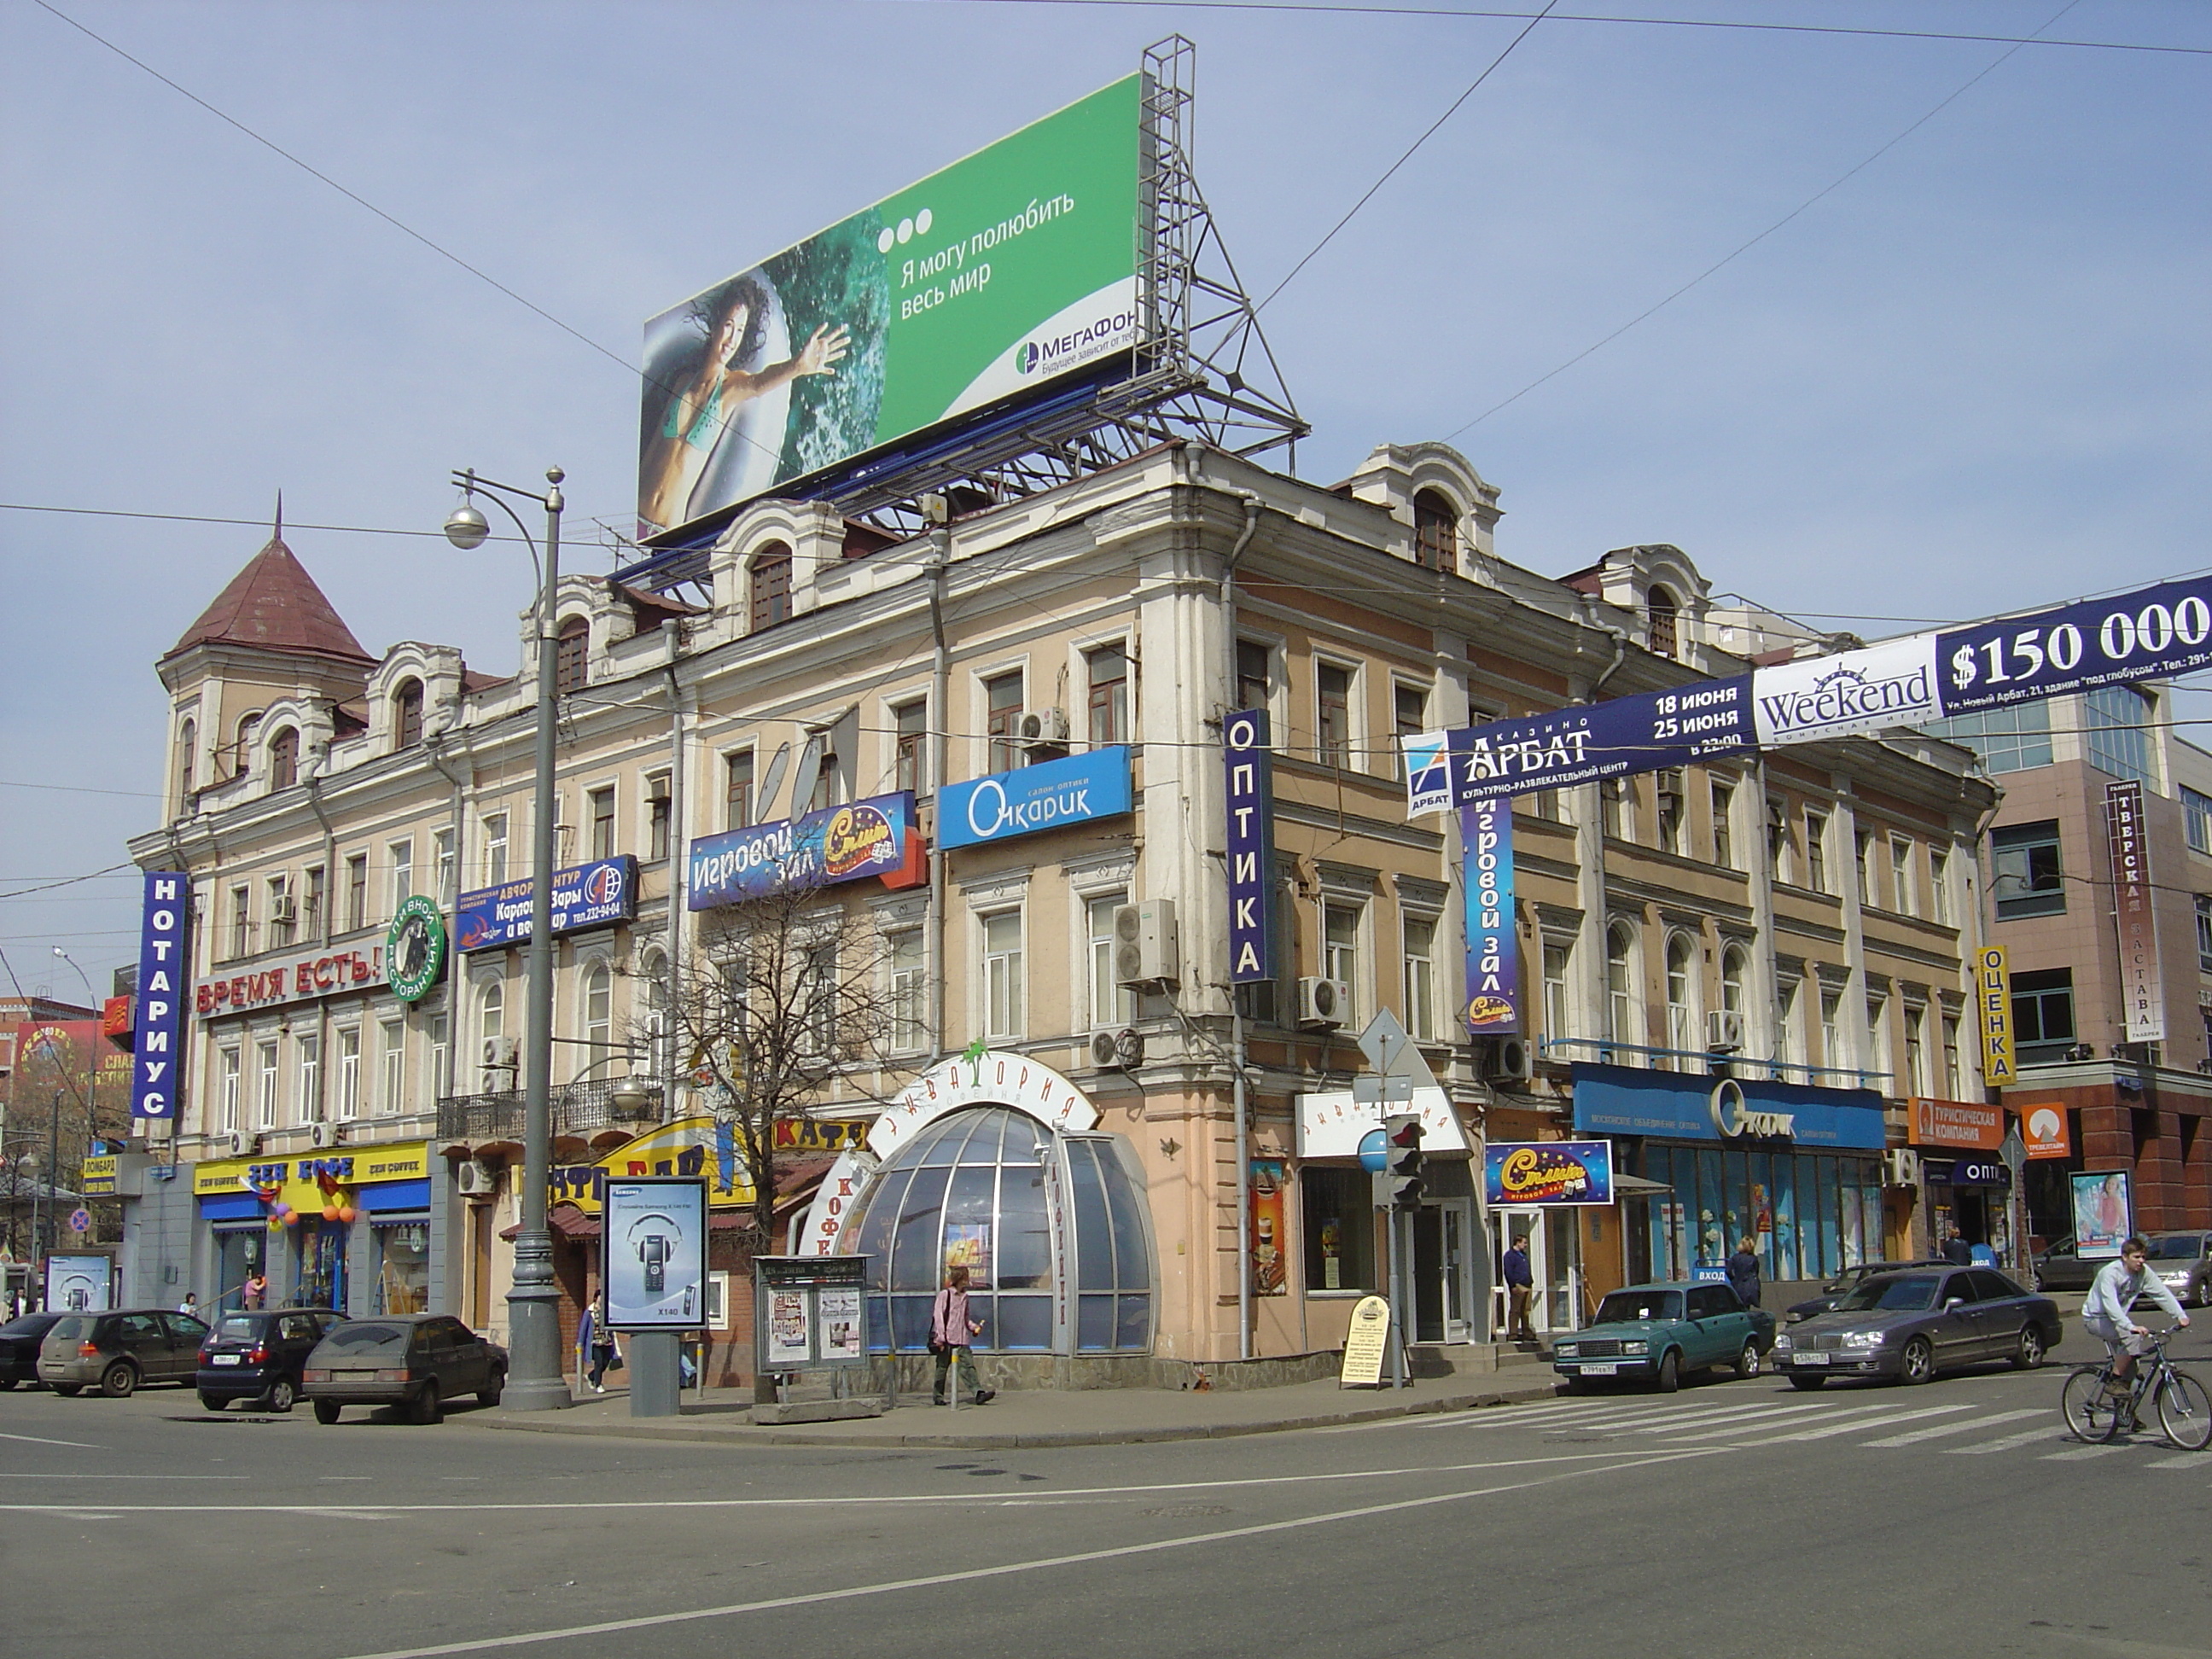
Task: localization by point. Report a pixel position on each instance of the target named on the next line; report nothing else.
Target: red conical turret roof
(273, 604)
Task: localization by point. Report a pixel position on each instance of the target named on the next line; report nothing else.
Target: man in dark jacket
(1956, 1251)
(1519, 1282)
(1743, 1273)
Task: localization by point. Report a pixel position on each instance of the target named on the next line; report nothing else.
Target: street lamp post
(534, 1382)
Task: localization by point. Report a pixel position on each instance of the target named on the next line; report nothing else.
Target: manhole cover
(1189, 1511)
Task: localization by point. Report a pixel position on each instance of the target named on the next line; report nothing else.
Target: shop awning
(1629, 1186)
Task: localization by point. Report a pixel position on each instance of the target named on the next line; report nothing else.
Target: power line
(1392, 169)
(80, 789)
(205, 517)
(1803, 206)
(68, 881)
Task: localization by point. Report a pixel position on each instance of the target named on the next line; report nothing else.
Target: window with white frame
(1333, 686)
(1559, 965)
(909, 991)
(310, 1077)
(230, 1062)
(1778, 865)
(2204, 932)
(1789, 1026)
(391, 1040)
(599, 1019)
(1736, 967)
(1939, 884)
(1106, 670)
(264, 1092)
(910, 755)
(1954, 1077)
(1816, 852)
(2196, 819)
(1831, 1029)
(443, 860)
(1622, 1024)
(817, 998)
(1682, 993)
(1112, 1004)
(1877, 1008)
(1002, 974)
(1420, 977)
(440, 1029)
(495, 849)
(1724, 803)
(349, 1073)
(399, 859)
(1901, 884)
(1340, 946)
(1669, 792)
(1916, 1076)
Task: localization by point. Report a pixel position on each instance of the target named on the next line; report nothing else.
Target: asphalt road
(1736, 1518)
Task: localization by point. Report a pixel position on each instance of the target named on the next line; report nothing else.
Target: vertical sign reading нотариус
(158, 1038)
(1248, 772)
(2141, 981)
(1493, 948)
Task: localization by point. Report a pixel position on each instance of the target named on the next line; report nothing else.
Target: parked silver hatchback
(117, 1351)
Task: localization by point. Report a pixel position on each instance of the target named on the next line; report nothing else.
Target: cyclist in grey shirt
(2109, 1312)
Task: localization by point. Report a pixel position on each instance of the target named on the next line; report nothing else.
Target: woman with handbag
(595, 1339)
(950, 1332)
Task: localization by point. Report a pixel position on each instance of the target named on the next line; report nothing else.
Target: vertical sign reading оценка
(2141, 981)
(1492, 1007)
(1249, 764)
(158, 1041)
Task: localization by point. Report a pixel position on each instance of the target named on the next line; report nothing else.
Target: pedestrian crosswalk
(1885, 1421)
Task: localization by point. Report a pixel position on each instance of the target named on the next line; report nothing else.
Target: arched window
(1436, 532)
(1733, 965)
(771, 575)
(284, 758)
(407, 715)
(1663, 608)
(1620, 984)
(242, 741)
(188, 750)
(571, 656)
(599, 1019)
(1681, 993)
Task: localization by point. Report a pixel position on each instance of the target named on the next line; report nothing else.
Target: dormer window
(571, 656)
(284, 758)
(1661, 610)
(771, 587)
(1436, 532)
(407, 715)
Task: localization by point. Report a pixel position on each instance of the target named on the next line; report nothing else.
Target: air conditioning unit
(284, 910)
(323, 1135)
(1900, 1167)
(1118, 1051)
(1510, 1060)
(1145, 943)
(1324, 1002)
(1041, 728)
(499, 1054)
(474, 1178)
(242, 1142)
(1724, 1030)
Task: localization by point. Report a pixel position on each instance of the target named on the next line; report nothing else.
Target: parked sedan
(19, 1347)
(2184, 1261)
(2061, 1268)
(259, 1356)
(119, 1351)
(1908, 1326)
(417, 1360)
(1849, 1280)
(1660, 1331)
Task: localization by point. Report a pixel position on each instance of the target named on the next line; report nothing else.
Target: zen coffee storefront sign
(1076, 790)
(596, 894)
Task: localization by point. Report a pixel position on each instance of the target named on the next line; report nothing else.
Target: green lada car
(1657, 1332)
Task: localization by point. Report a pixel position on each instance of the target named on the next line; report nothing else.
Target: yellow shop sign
(298, 1182)
(690, 1146)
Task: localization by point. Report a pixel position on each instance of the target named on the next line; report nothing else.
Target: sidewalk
(1098, 1417)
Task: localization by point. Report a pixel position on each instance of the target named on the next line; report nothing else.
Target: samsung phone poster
(656, 1254)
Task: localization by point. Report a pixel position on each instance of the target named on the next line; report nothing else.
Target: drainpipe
(937, 510)
(330, 909)
(679, 872)
(1235, 1008)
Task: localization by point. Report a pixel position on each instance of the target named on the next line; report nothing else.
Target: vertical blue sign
(1249, 767)
(1493, 943)
(157, 1039)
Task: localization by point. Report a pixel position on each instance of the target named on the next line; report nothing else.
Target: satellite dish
(771, 781)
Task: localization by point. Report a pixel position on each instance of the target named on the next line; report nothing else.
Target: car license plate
(1812, 1357)
(224, 1358)
(1606, 1369)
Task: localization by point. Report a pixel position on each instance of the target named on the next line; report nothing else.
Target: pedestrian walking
(597, 1344)
(254, 1293)
(950, 1333)
(1743, 1272)
(1956, 1251)
(1520, 1285)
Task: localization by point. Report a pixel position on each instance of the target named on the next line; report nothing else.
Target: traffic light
(1401, 1169)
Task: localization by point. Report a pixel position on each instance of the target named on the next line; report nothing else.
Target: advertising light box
(655, 1267)
(1001, 274)
(595, 895)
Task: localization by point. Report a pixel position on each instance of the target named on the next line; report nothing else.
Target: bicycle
(2184, 1409)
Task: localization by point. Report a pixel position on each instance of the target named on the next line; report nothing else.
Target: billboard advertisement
(584, 895)
(1492, 1003)
(1548, 1172)
(1076, 789)
(1001, 273)
(79, 1283)
(655, 1270)
(871, 837)
(2104, 1213)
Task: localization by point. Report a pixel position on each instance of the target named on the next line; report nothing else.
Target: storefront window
(1338, 1220)
(322, 1266)
(402, 1267)
(240, 1253)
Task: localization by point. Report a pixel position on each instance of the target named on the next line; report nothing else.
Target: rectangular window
(1900, 876)
(1953, 1079)
(1670, 796)
(1111, 1005)
(400, 856)
(357, 891)
(1559, 960)
(2113, 718)
(311, 909)
(1002, 974)
(283, 918)
(1339, 947)
(1337, 1217)
(241, 921)
(1616, 808)
(601, 805)
(1724, 824)
(1816, 852)
(1409, 716)
(819, 1000)
(1831, 1029)
(1002, 715)
(911, 761)
(264, 1093)
(2008, 740)
(1789, 1028)
(737, 790)
(311, 1079)
(657, 817)
(444, 862)
(1862, 846)
(1778, 867)
(441, 1056)
(1252, 662)
(1420, 964)
(829, 780)
(2025, 877)
(348, 1074)
(1939, 884)
(494, 850)
(2204, 932)
(2043, 1014)
(1107, 670)
(771, 588)
(391, 1035)
(910, 982)
(1916, 1051)
(2196, 813)
(233, 1060)
(1332, 714)
(1877, 1009)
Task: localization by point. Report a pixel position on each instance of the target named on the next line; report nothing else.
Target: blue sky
(1972, 378)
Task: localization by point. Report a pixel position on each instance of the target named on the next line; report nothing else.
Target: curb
(750, 1435)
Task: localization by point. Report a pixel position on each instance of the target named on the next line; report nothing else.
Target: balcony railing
(578, 1109)
(1717, 1064)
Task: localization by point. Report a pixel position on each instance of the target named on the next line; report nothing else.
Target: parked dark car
(259, 1356)
(1657, 1332)
(119, 1351)
(2059, 1268)
(1908, 1326)
(1849, 1280)
(19, 1347)
(2184, 1261)
(417, 1360)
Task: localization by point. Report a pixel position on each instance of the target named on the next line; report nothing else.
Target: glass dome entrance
(1050, 1227)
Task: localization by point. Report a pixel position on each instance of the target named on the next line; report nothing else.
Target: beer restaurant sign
(295, 981)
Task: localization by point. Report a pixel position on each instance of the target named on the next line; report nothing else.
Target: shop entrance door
(1443, 1283)
(1555, 1263)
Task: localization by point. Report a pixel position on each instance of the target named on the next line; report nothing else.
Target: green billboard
(997, 276)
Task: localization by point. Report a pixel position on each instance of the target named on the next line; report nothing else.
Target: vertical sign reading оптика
(1248, 765)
